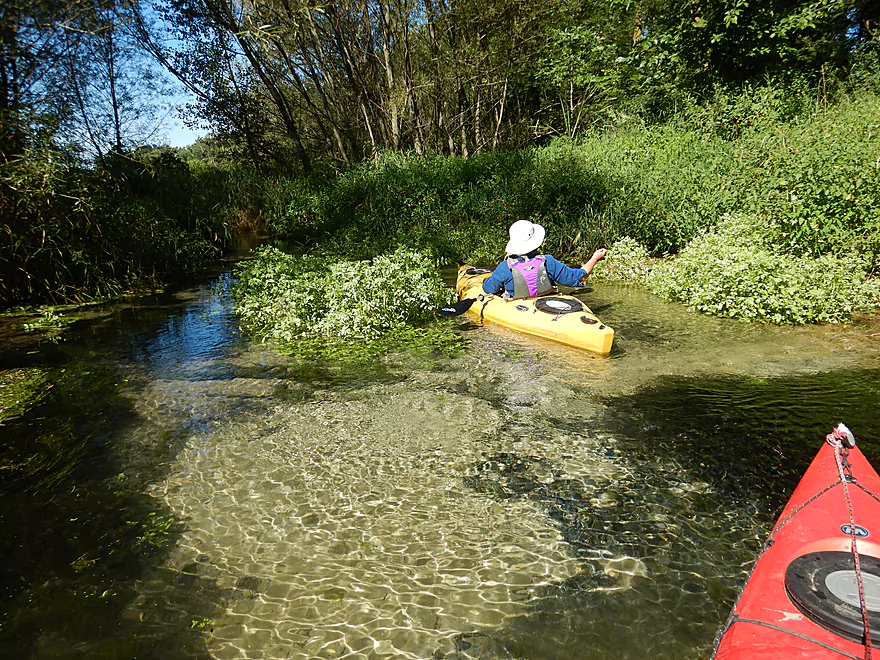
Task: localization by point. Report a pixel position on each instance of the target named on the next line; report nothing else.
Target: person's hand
(598, 255)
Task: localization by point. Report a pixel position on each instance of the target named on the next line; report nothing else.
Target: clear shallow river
(195, 495)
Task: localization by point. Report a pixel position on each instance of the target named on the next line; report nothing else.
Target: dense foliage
(777, 153)
(803, 174)
(697, 44)
(73, 234)
(302, 83)
(432, 125)
(736, 270)
(282, 296)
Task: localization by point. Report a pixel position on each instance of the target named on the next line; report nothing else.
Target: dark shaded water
(187, 493)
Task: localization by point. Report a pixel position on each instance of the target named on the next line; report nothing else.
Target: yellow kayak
(553, 316)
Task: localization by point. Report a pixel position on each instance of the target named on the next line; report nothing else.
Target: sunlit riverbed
(522, 500)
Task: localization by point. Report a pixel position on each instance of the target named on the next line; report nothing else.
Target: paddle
(462, 306)
(457, 309)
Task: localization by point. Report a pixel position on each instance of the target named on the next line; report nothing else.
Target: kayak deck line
(737, 619)
(867, 492)
(814, 590)
(779, 525)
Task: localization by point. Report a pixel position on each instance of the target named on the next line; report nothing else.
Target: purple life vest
(530, 277)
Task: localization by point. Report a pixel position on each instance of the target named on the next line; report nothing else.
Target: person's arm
(598, 255)
(496, 282)
(561, 274)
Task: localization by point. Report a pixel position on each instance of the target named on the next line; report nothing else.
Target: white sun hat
(525, 236)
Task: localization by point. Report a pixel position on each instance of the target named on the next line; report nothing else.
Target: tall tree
(695, 44)
(35, 37)
(582, 73)
(71, 73)
(352, 77)
(117, 95)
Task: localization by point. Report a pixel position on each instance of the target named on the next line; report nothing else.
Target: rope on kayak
(841, 439)
(765, 624)
(866, 491)
(483, 309)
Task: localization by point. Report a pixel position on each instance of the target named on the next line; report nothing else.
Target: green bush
(780, 151)
(447, 207)
(817, 179)
(735, 270)
(281, 296)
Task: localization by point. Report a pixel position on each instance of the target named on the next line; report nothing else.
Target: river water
(186, 492)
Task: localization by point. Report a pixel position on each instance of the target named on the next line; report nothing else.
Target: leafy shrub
(446, 207)
(778, 151)
(734, 112)
(281, 296)
(735, 270)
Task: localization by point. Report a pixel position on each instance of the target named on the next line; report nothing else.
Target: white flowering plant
(734, 270)
(626, 261)
(282, 296)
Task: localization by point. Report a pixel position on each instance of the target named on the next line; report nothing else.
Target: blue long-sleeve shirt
(501, 278)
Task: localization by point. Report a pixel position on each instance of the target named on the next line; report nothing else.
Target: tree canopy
(296, 82)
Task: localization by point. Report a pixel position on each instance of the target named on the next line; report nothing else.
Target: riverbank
(762, 207)
(78, 233)
(799, 169)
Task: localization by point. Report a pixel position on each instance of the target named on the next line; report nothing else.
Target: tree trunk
(114, 99)
(390, 97)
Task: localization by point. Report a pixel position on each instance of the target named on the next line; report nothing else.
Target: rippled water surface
(521, 500)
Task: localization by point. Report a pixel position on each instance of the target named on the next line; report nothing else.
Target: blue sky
(174, 132)
(179, 135)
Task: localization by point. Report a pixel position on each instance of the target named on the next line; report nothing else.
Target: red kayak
(815, 590)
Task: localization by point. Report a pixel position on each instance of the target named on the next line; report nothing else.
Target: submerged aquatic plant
(154, 531)
(50, 324)
(20, 390)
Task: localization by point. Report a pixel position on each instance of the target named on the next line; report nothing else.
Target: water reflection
(196, 342)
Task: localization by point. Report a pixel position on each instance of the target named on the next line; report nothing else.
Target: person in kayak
(524, 273)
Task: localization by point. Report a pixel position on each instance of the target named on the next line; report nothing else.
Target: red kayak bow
(815, 589)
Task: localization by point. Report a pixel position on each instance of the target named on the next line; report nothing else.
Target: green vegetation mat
(342, 310)
(21, 390)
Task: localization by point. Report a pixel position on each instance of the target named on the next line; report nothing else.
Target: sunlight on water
(422, 518)
(522, 500)
(347, 520)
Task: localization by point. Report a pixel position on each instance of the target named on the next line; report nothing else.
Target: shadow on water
(85, 568)
(748, 436)
(77, 529)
